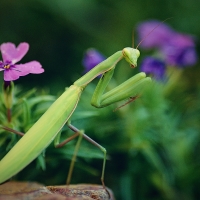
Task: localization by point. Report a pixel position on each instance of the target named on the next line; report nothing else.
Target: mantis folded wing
(43, 132)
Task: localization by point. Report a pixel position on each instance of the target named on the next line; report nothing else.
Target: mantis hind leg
(81, 135)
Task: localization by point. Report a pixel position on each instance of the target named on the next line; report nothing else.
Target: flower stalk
(8, 89)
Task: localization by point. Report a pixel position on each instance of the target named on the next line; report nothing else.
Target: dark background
(59, 32)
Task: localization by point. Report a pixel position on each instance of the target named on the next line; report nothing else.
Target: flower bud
(8, 88)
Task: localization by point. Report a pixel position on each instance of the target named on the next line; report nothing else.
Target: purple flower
(180, 51)
(177, 49)
(11, 55)
(154, 34)
(92, 58)
(154, 66)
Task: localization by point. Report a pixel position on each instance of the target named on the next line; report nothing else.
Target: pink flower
(11, 55)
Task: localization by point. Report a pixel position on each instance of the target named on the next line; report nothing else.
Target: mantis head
(131, 55)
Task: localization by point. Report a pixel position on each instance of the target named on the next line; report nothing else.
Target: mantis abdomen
(41, 133)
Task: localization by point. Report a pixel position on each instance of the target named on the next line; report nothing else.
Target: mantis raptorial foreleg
(44, 131)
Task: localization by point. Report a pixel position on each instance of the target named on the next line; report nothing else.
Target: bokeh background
(59, 32)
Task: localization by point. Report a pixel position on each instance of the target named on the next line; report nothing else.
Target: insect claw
(104, 187)
(129, 101)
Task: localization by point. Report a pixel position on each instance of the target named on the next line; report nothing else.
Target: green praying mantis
(48, 127)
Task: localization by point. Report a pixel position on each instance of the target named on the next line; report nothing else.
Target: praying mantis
(48, 127)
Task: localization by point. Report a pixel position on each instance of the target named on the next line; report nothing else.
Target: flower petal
(153, 66)
(92, 58)
(10, 75)
(33, 67)
(159, 37)
(1, 66)
(12, 53)
(180, 51)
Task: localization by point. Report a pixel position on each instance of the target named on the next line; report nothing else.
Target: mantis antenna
(152, 31)
(133, 38)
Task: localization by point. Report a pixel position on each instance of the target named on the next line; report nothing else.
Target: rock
(35, 191)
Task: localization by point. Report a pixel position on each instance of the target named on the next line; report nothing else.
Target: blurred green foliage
(153, 144)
